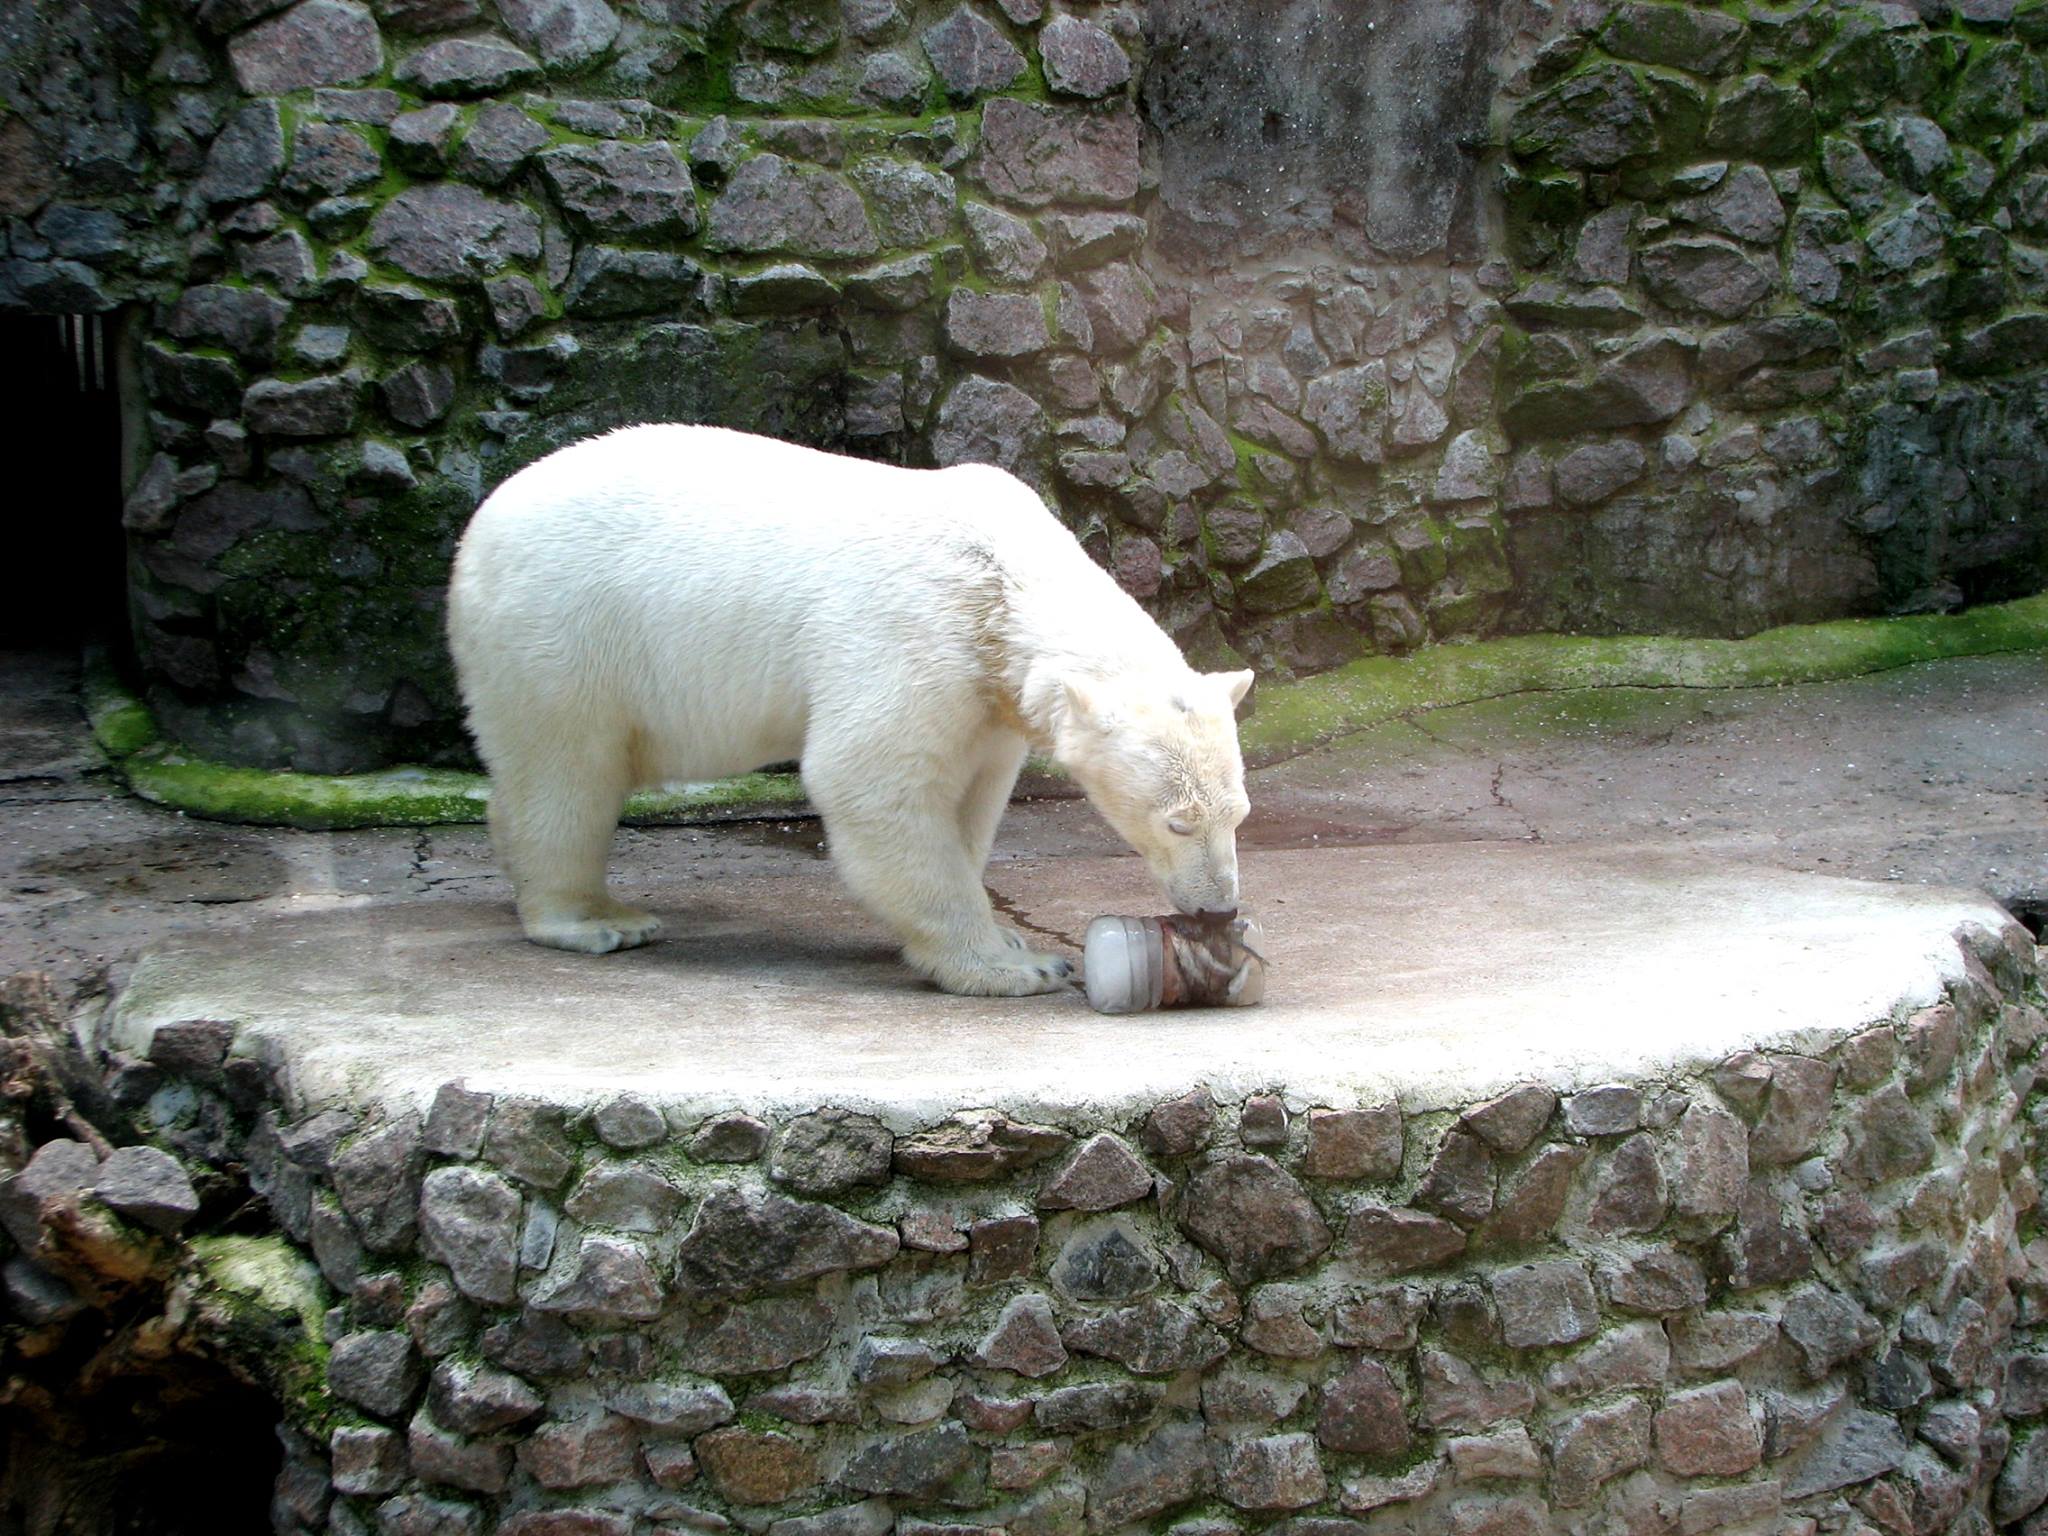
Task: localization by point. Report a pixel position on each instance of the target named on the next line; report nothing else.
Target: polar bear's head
(1158, 756)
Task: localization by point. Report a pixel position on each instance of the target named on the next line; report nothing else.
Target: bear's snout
(1211, 897)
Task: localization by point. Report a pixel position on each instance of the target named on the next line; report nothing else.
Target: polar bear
(688, 602)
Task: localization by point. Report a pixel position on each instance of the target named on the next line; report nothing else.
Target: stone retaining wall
(1331, 328)
(1785, 1292)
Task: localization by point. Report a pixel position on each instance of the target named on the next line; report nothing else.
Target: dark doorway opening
(60, 423)
(186, 1450)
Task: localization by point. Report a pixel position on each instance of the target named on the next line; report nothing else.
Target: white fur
(682, 603)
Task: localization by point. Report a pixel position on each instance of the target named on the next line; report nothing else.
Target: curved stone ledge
(1612, 1196)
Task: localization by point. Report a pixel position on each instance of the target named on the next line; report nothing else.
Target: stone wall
(1791, 1291)
(1330, 328)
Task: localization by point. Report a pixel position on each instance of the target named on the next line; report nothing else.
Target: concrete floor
(1930, 775)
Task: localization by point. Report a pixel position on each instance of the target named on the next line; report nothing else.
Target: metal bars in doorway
(60, 432)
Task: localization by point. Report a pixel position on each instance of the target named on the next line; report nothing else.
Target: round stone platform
(1436, 976)
(1551, 1192)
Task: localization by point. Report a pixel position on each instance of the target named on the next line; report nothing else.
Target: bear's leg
(998, 756)
(551, 824)
(895, 830)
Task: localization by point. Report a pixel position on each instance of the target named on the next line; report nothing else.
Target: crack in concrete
(1532, 833)
(1500, 772)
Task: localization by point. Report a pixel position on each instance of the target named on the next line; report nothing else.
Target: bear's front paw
(1015, 972)
(594, 930)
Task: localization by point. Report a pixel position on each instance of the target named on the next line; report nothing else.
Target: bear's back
(664, 548)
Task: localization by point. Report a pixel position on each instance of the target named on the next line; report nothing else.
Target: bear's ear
(1238, 683)
(1083, 705)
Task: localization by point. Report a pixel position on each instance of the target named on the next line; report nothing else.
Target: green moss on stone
(1291, 717)
(121, 723)
(225, 792)
(269, 1304)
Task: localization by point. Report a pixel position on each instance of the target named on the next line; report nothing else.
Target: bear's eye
(1180, 826)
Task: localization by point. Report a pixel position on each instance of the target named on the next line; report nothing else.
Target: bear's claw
(1017, 972)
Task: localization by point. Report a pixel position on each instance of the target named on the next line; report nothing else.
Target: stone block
(1081, 59)
(1001, 1248)
(477, 1400)
(317, 407)
(1547, 1303)
(564, 34)
(1276, 1322)
(1708, 1432)
(316, 42)
(773, 206)
(1032, 155)
(1595, 1446)
(469, 1221)
(1507, 1453)
(1252, 1216)
(921, 1466)
(1795, 1111)
(1139, 1481)
(609, 1281)
(1248, 1397)
(1024, 1339)
(753, 1467)
(376, 1370)
(366, 1460)
(996, 324)
(580, 1452)
(1106, 1261)
(148, 1186)
(444, 232)
(1278, 1472)
(1354, 1143)
(1152, 1338)
(729, 1138)
(1509, 1123)
(1362, 1412)
(1095, 1406)
(461, 67)
(638, 191)
(759, 1336)
(1633, 1355)
(971, 56)
(742, 1241)
(1455, 1396)
(1394, 1242)
(1712, 1166)
(535, 1343)
(1657, 1282)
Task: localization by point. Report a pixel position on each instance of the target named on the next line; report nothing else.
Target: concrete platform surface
(1438, 975)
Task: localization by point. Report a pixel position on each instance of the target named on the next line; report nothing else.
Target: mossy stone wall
(1330, 329)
